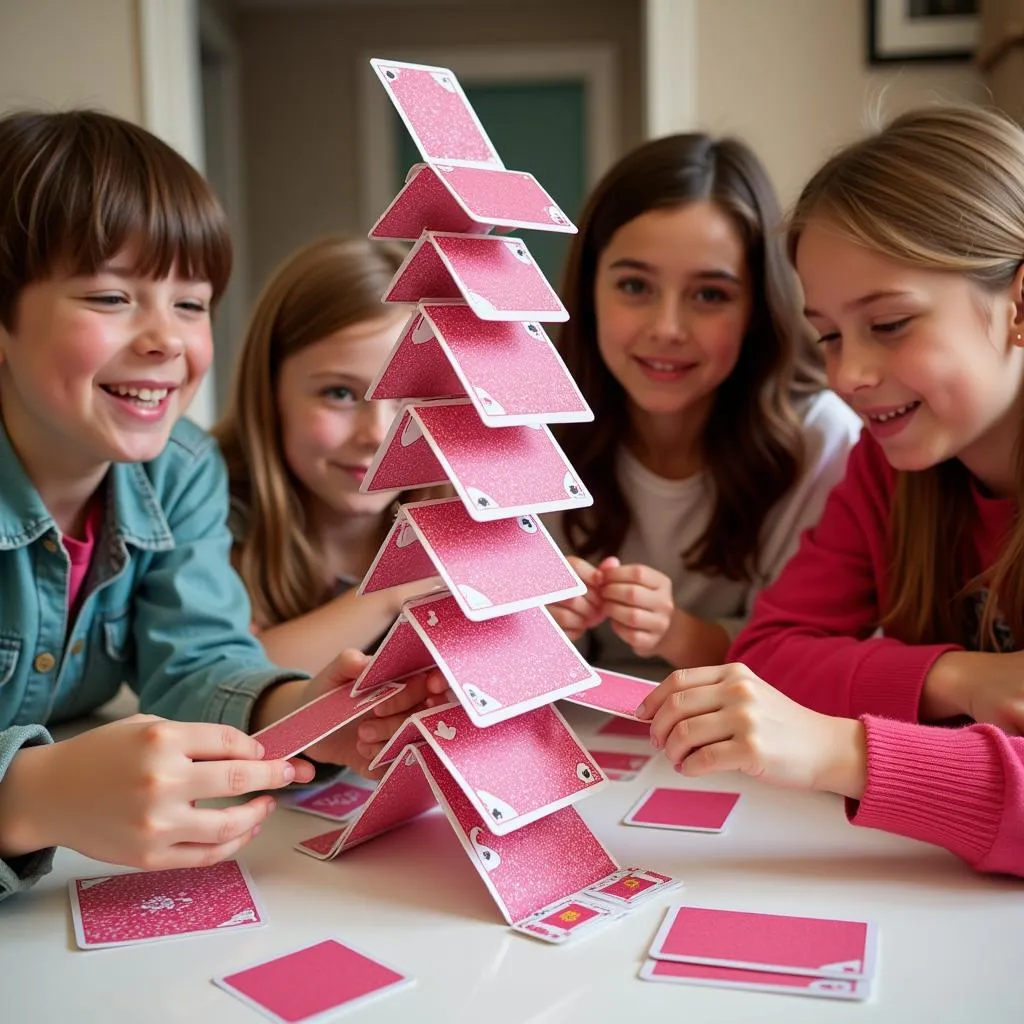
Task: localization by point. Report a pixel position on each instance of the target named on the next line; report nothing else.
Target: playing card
(337, 801)
(491, 569)
(620, 694)
(399, 654)
(146, 906)
(687, 810)
(626, 727)
(767, 942)
(319, 718)
(491, 666)
(495, 275)
(435, 110)
(498, 472)
(631, 887)
(756, 981)
(447, 351)
(619, 767)
(513, 772)
(468, 200)
(571, 918)
(313, 982)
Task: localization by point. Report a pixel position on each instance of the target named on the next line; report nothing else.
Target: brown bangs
(77, 188)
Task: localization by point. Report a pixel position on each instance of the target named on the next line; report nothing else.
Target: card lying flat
(491, 569)
(570, 918)
(447, 351)
(512, 773)
(319, 718)
(145, 906)
(498, 472)
(468, 200)
(688, 810)
(435, 110)
(311, 983)
(767, 942)
(337, 801)
(631, 887)
(620, 767)
(756, 981)
(496, 276)
(620, 694)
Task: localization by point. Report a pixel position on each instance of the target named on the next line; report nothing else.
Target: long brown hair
(78, 186)
(752, 443)
(322, 288)
(940, 188)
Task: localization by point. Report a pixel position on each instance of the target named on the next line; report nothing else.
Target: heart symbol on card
(518, 250)
(406, 535)
(488, 857)
(584, 772)
(422, 331)
(432, 619)
(444, 731)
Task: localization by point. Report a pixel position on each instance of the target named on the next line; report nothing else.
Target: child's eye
(710, 294)
(193, 306)
(107, 299)
(827, 339)
(633, 286)
(339, 393)
(891, 326)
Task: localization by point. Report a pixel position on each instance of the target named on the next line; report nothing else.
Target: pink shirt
(80, 553)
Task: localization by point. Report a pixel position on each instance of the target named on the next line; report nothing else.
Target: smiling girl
(714, 443)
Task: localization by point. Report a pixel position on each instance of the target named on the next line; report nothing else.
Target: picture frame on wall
(922, 30)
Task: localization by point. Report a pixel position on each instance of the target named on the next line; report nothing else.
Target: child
(298, 439)
(714, 444)
(909, 245)
(113, 544)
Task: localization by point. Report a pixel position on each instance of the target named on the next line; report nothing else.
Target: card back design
(687, 810)
(618, 694)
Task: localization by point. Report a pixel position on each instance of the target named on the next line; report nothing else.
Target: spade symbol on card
(527, 524)
(584, 772)
(497, 810)
(488, 857)
(390, 74)
(479, 499)
(481, 701)
(572, 488)
(444, 731)
(534, 329)
(443, 80)
(519, 251)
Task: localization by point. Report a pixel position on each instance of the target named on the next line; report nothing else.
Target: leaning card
(312, 983)
(620, 694)
(767, 942)
(571, 918)
(631, 887)
(688, 810)
(619, 767)
(146, 906)
(755, 981)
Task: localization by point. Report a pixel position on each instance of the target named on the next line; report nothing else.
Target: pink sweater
(811, 637)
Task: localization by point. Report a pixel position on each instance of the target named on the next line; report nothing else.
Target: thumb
(343, 669)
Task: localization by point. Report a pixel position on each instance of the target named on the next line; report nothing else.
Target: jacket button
(50, 546)
(45, 661)
(77, 647)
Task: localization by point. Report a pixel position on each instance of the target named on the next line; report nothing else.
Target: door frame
(595, 64)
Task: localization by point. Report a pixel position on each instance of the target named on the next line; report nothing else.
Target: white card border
(630, 815)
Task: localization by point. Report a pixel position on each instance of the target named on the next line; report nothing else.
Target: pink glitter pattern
(495, 196)
(424, 204)
(397, 563)
(401, 464)
(418, 368)
(423, 275)
(400, 654)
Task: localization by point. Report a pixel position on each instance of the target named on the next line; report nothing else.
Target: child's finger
(634, 618)
(199, 855)
(222, 825)
(204, 741)
(682, 706)
(725, 756)
(209, 780)
(689, 734)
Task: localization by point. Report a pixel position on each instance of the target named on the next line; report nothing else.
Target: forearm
(946, 686)
(23, 802)
(691, 641)
(846, 769)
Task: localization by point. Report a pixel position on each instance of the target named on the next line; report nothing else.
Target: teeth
(661, 367)
(152, 396)
(886, 416)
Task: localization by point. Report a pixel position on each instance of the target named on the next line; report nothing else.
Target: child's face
(329, 431)
(926, 358)
(97, 369)
(672, 298)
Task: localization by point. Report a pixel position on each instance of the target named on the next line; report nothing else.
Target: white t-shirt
(668, 516)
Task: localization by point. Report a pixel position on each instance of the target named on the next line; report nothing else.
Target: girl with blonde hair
(905, 605)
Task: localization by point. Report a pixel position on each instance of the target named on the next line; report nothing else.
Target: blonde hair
(941, 188)
(322, 288)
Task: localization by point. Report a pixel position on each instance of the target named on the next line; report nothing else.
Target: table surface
(949, 950)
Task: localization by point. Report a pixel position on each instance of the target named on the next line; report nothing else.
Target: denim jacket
(160, 609)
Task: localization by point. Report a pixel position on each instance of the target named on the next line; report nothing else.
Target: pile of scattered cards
(764, 952)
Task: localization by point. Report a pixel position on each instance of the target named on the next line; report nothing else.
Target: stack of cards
(764, 952)
(484, 383)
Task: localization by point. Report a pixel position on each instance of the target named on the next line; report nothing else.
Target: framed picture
(921, 30)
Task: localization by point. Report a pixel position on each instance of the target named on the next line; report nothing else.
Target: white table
(951, 942)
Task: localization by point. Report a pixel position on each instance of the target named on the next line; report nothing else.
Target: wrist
(943, 694)
(845, 770)
(276, 701)
(24, 800)
(675, 640)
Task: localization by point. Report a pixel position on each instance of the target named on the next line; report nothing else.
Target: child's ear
(1017, 296)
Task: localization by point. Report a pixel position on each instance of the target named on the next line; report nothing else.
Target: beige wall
(57, 53)
(300, 69)
(790, 77)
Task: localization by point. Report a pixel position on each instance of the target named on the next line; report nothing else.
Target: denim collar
(133, 511)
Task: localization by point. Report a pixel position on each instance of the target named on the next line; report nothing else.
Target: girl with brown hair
(714, 442)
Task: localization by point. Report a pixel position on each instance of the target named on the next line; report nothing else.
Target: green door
(538, 127)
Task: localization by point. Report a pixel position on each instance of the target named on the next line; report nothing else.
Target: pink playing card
(620, 694)
(619, 767)
(626, 727)
(755, 981)
(424, 204)
(399, 654)
(492, 666)
(688, 810)
(145, 906)
(435, 110)
(498, 472)
(337, 801)
(491, 569)
(497, 276)
(767, 942)
(631, 887)
(311, 983)
(516, 771)
(447, 351)
(319, 718)
(566, 920)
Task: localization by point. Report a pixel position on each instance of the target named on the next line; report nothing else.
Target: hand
(986, 686)
(724, 718)
(639, 604)
(579, 614)
(126, 792)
